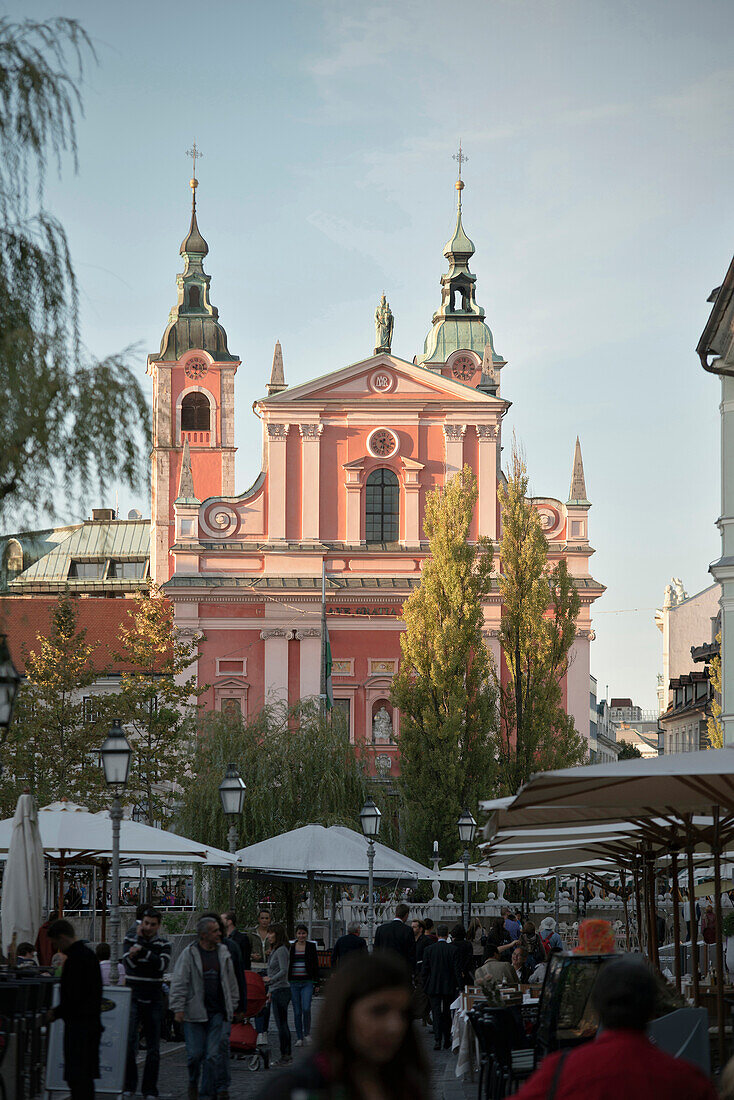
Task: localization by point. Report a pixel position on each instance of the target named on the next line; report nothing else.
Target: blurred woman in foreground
(366, 1045)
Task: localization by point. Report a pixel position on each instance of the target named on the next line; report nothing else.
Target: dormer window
(195, 413)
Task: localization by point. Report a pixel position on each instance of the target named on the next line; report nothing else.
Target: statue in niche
(384, 321)
(382, 727)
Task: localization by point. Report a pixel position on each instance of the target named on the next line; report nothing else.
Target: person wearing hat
(549, 935)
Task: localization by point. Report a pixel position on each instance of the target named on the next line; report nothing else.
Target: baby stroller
(243, 1037)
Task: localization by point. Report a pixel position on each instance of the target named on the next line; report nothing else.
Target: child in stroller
(243, 1037)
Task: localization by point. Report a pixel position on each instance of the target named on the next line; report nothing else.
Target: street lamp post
(370, 821)
(232, 793)
(9, 683)
(467, 827)
(116, 754)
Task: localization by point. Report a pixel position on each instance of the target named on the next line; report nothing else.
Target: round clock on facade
(463, 368)
(382, 443)
(196, 368)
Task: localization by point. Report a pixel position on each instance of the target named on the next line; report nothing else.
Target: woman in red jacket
(621, 1062)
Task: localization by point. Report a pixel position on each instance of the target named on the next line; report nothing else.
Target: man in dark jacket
(351, 942)
(146, 957)
(80, 1007)
(395, 935)
(440, 981)
(232, 932)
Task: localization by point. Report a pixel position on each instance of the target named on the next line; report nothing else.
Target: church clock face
(196, 368)
(463, 368)
(382, 443)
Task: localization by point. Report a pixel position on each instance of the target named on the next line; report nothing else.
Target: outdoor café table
(463, 1041)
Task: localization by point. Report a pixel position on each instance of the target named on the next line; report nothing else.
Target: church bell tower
(193, 398)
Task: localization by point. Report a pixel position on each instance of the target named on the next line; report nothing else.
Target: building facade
(348, 459)
(716, 353)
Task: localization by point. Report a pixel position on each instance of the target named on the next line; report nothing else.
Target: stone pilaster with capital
(310, 479)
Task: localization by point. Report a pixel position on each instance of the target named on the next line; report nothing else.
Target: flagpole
(322, 697)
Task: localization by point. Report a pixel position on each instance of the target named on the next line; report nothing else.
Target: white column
(276, 663)
(277, 436)
(487, 507)
(412, 494)
(454, 436)
(577, 684)
(310, 471)
(353, 486)
(310, 661)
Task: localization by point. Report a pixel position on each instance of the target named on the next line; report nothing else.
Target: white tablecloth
(463, 1041)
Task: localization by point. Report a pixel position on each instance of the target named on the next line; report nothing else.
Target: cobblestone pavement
(173, 1078)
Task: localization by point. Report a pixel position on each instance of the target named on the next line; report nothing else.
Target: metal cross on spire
(461, 158)
(195, 154)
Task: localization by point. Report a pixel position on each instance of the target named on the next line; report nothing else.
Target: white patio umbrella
(22, 901)
(454, 872)
(333, 854)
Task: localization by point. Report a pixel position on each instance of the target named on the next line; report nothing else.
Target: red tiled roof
(25, 619)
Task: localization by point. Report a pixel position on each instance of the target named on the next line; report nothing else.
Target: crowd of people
(368, 1043)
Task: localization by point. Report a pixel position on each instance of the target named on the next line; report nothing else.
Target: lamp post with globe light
(232, 793)
(369, 818)
(467, 827)
(116, 755)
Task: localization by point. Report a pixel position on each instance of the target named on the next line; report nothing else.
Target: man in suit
(440, 980)
(351, 942)
(395, 935)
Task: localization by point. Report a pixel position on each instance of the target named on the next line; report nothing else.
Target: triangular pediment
(382, 378)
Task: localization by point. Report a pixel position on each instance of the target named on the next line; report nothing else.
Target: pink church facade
(347, 462)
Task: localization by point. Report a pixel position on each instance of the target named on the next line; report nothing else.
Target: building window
(194, 297)
(195, 413)
(87, 570)
(345, 707)
(382, 506)
(127, 570)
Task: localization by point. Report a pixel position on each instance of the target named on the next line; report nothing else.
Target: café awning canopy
(334, 854)
(662, 786)
(71, 834)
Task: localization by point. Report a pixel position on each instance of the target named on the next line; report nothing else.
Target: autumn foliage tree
(158, 693)
(540, 605)
(444, 688)
(52, 746)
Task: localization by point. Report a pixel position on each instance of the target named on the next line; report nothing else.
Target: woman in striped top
(303, 975)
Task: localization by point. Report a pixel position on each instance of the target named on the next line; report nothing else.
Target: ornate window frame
(212, 412)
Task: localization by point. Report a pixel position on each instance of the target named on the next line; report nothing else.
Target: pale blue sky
(598, 195)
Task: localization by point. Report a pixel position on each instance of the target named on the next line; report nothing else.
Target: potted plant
(728, 931)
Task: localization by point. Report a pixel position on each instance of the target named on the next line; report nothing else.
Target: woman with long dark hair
(279, 990)
(366, 1044)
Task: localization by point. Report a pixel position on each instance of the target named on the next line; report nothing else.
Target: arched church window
(194, 297)
(195, 413)
(382, 510)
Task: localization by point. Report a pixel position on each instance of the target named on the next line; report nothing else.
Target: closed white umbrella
(22, 900)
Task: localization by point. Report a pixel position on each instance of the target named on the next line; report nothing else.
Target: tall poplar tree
(444, 688)
(53, 743)
(539, 609)
(157, 696)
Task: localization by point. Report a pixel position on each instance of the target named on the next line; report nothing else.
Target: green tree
(67, 419)
(628, 751)
(53, 743)
(444, 688)
(539, 609)
(713, 724)
(155, 702)
(299, 769)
